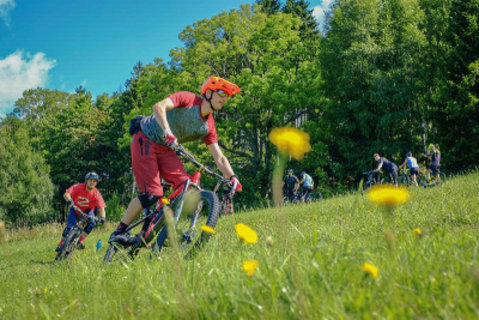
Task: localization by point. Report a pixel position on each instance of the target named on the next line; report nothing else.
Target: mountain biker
(411, 162)
(434, 155)
(389, 167)
(307, 184)
(86, 197)
(181, 117)
(290, 185)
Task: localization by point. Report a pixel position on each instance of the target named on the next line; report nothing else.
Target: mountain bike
(428, 180)
(190, 208)
(227, 194)
(71, 239)
(291, 197)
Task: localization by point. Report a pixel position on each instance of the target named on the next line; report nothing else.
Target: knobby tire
(68, 245)
(188, 231)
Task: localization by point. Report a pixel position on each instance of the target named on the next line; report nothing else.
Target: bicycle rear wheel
(188, 233)
(315, 196)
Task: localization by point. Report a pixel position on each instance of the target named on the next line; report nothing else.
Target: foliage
(369, 62)
(387, 77)
(25, 187)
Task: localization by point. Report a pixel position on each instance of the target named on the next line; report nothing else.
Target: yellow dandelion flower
(249, 266)
(207, 229)
(370, 269)
(245, 233)
(290, 141)
(417, 231)
(388, 195)
(340, 205)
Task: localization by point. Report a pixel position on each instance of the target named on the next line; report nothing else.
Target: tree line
(382, 76)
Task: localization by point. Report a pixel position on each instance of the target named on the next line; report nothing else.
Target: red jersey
(185, 119)
(84, 199)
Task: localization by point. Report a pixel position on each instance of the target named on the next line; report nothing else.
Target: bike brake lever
(233, 188)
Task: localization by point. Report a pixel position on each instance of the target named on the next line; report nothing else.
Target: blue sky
(62, 44)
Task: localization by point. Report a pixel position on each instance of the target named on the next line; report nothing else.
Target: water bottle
(98, 245)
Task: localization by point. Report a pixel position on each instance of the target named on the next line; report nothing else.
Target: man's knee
(147, 200)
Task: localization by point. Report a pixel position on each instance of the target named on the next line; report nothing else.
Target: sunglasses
(221, 93)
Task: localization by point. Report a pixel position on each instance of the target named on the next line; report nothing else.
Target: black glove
(101, 220)
(70, 202)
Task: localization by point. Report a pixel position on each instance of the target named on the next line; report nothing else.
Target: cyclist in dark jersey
(388, 166)
(181, 117)
(434, 155)
(290, 185)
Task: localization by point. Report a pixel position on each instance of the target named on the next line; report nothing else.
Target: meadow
(311, 260)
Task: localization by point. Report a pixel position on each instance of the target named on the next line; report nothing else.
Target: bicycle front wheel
(68, 244)
(189, 232)
(367, 185)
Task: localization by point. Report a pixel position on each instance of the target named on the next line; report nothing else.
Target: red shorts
(150, 161)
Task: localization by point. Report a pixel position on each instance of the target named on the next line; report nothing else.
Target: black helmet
(409, 154)
(92, 175)
(302, 174)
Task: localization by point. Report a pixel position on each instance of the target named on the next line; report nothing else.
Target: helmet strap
(209, 99)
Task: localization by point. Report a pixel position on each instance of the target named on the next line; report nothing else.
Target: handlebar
(83, 216)
(181, 151)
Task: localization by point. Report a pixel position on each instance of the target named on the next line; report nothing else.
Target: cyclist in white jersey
(307, 184)
(411, 162)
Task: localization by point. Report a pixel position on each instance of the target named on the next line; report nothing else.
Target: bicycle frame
(154, 217)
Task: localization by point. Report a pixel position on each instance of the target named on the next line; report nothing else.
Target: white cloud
(320, 11)
(19, 72)
(5, 7)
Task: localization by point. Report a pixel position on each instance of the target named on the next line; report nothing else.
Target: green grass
(311, 269)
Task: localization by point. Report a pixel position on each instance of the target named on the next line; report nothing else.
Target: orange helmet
(217, 83)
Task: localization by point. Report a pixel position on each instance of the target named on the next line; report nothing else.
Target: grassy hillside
(310, 266)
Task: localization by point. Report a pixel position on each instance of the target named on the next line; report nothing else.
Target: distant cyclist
(307, 185)
(434, 155)
(290, 185)
(86, 197)
(388, 166)
(411, 163)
